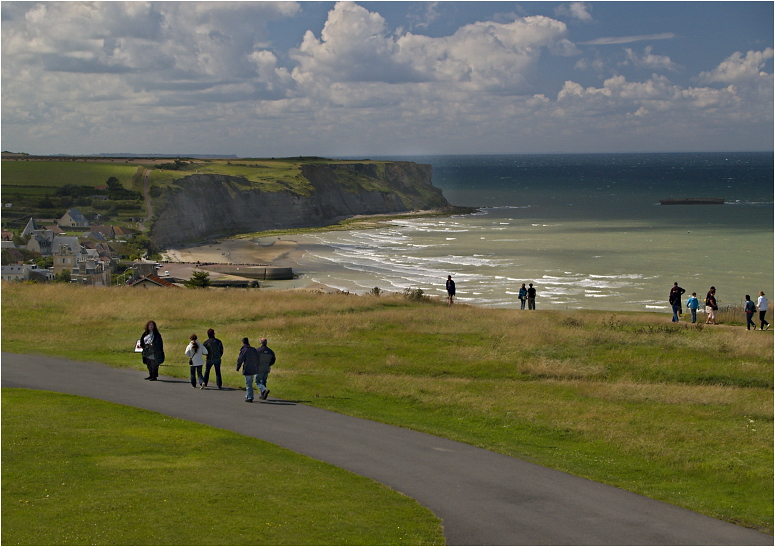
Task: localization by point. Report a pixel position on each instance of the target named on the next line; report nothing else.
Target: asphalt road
(482, 497)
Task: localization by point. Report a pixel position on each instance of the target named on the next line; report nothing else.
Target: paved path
(482, 497)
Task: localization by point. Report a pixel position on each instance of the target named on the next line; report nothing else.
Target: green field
(77, 471)
(58, 173)
(679, 413)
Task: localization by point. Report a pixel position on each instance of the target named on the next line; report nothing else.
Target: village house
(153, 281)
(6, 236)
(73, 219)
(25, 272)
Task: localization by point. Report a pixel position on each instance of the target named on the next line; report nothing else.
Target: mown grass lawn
(679, 413)
(77, 471)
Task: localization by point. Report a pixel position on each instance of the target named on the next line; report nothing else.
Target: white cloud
(650, 61)
(356, 46)
(738, 68)
(577, 10)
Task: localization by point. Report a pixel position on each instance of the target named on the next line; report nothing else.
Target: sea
(588, 231)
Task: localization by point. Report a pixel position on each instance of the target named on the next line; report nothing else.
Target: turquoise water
(586, 230)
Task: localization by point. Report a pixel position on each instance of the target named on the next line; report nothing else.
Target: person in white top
(762, 305)
(194, 352)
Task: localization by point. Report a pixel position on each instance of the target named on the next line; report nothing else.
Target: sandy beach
(276, 251)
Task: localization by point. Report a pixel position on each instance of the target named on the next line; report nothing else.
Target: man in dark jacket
(248, 356)
(214, 354)
(266, 359)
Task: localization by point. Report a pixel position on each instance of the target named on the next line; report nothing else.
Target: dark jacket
(214, 350)
(710, 300)
(675, 295)
(248, 356)
(156, 349)
(266, 358)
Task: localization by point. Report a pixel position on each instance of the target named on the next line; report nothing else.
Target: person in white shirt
(762, 305)
(194, 352)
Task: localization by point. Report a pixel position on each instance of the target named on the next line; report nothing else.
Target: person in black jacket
(153, 349)
(266, 359)
(248, 361)
(675, 300)
(214, 354)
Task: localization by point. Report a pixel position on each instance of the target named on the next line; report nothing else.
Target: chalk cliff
(200, 206)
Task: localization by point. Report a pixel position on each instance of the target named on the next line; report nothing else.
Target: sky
(360, 79)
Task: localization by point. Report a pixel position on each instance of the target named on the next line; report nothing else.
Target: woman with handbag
(153, 349)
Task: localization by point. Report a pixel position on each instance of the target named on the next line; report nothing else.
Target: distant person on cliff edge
(762, 304)
(450, 289)
(750, 309)
(531, 297)
(522, 296)
(711, 306)
(675, 300)
(693, 304)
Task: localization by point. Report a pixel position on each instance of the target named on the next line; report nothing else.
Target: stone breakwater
(202, 207)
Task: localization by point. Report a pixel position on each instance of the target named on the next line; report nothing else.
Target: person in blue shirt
(693, 304)
(522, 296)
(750, 309)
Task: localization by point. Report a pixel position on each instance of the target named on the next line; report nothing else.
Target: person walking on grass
(195, 352)
(711, 306)
(693, 305)
(675, 300)
(266, 358)
(750, 309)
(249, 362)
(762, 305)
(522, 296)
(153, 349)
(450, 289)
(531, 297)
(214, 353)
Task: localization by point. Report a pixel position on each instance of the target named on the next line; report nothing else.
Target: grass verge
(78, 471)
(679, 413)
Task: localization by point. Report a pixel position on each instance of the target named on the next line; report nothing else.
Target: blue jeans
(521, 303)
(217, 373)
(694, 316)
(196, 374)
(249, 386)
(749, 320)
(261, 379)
(676, 309)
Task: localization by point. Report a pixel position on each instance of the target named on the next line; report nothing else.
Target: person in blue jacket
(693, 304)
(522, 296)
(750, 309)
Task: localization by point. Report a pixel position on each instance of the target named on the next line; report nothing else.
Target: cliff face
(204, 206)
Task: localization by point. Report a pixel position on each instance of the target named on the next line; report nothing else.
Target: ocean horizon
(586, 229)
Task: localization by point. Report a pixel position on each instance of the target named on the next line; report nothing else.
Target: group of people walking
(711, 307)
(256, 363)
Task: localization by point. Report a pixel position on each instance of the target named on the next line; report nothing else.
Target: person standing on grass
(762, 305)
(522, 296)
(153, 349)
(675, 300)
(693, 304)
(249, 362)
(450, 289)
(711, 306)
(214, 353)
(750, 309)
(266, 358)
(195, 352)
(531, 297)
